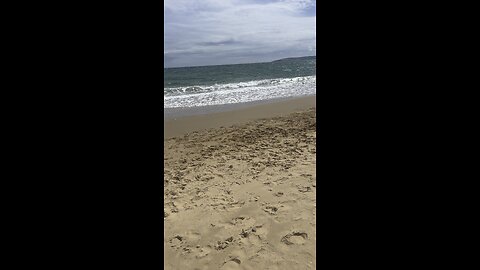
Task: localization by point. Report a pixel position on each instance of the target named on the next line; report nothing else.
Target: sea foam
(229, 93)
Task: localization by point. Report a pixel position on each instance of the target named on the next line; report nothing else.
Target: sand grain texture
(242, 197)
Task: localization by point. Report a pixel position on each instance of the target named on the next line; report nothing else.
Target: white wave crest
(229, 93)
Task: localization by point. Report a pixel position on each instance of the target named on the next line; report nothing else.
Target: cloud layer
(213, 32)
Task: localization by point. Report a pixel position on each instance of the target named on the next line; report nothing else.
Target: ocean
(232, 84)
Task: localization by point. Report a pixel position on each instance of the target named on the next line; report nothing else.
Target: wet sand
(220, 116)
(242, 196)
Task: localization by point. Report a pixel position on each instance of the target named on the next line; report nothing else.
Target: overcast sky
(215, 32)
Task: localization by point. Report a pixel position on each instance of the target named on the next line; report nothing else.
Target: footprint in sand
(237, 220)
(304, 189)
(295, 238)
(176, 241)
(278, 194)
(235, 259)
(237, 223)
(202, 252)
(272, 209)
(192, 236)
(232, 263)
(251, 237)
(184, 242)
(220, 245)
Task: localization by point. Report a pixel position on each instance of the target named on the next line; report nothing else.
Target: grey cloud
(219, 43)
(212, 32)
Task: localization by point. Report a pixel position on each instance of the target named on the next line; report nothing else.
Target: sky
(217, 32)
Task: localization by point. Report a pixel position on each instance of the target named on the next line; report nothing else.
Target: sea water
(187, 87)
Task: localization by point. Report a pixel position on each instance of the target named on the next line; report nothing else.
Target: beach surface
(240, 188)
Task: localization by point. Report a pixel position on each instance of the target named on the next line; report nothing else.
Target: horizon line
(243, 63)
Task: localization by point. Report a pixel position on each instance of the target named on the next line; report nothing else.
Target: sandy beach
(240, 188)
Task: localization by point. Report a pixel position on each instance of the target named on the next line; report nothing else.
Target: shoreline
(179, 122)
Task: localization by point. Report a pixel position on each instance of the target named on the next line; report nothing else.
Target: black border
(84, 132)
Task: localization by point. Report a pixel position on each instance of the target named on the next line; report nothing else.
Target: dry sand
(243, 196)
